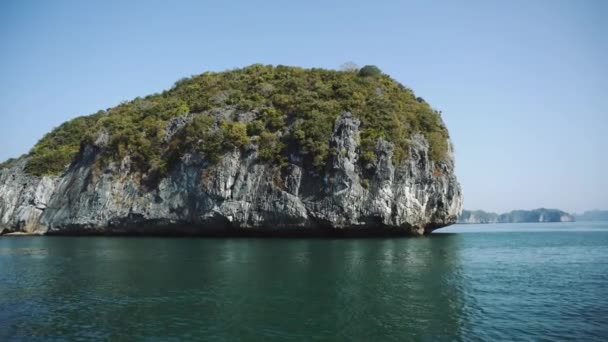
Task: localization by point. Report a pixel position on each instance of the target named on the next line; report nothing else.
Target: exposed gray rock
(239, 193)
(23, 199)
(175, 125)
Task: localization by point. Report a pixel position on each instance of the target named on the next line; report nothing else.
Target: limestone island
(263, 150)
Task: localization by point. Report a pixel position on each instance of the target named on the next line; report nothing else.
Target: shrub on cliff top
(370, 70)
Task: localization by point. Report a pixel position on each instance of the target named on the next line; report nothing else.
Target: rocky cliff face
(239, 194)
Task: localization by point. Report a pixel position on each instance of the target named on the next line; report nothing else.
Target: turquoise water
(491, 282)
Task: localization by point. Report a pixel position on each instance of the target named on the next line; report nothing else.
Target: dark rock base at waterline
(200, 231)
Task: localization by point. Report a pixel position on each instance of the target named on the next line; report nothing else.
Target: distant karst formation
(515, 216)
(592, 215)
(263, 149)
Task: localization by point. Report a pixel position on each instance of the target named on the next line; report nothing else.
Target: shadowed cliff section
(261, 150)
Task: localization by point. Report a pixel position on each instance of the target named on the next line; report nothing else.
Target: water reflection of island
(347, 289)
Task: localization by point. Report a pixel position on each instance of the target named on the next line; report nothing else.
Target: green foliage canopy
(370, 71)
(292, 108)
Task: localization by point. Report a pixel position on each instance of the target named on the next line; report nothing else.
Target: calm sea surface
(484, 282)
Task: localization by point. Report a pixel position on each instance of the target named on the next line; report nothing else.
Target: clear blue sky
(523, 85)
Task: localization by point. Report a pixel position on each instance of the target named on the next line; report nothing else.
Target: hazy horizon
(530, 209)
(521, 85)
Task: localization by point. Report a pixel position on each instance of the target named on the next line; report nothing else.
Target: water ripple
(454, 287)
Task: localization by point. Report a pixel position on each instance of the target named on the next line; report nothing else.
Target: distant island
(515, 216)
(529, 216)
(592, 215)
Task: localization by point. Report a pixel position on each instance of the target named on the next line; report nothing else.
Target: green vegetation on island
(57, 148)
(291, 108)
(10, 162)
